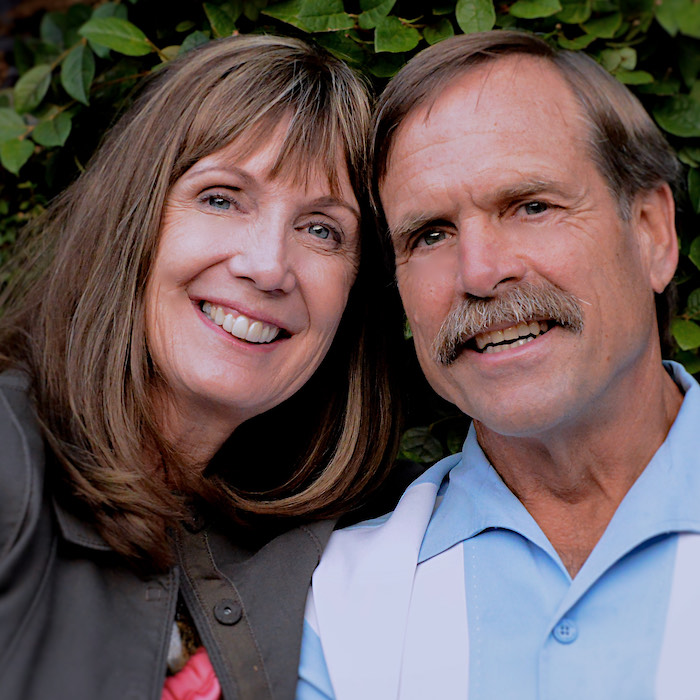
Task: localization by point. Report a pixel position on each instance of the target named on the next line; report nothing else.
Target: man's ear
(654, 213)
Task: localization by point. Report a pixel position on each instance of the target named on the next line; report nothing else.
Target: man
(526, 193)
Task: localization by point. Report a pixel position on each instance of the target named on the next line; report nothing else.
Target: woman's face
(250, 281)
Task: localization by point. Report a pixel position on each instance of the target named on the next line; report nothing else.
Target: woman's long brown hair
(73, 317)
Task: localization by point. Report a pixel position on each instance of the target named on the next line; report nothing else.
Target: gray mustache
(524, 302)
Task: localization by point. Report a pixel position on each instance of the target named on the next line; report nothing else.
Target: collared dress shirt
(459, 594)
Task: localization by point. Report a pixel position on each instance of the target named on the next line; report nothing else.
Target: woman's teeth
(512, 337)
(241, 326)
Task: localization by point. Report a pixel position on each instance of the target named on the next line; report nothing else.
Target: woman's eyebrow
(331, 201)
(195, 171)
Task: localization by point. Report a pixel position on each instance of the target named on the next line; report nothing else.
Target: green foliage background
(82, 67)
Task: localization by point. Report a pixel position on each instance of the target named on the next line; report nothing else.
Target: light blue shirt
(532, 631)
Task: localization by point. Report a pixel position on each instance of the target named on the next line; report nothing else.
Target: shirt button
(228, 611)
(565, 632)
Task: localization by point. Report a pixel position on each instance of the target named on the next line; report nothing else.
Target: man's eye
(431, 238)
(532, 208)
(218, 202)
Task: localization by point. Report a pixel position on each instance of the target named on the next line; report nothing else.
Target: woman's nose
(263, 256)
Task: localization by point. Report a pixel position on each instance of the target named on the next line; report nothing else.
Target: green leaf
(192, 41)
(76, 16)
(694, 189)
(373, 11)
(663, 87)
(185, 26)
(455, 441)
(475, 15)
(31, 88)
(693, 304)
(435, 33)
(532, 9)
(12, 125)
(689, 156)
(394, 36)
(574, 11)
(580, 42)
(694, 252)
(634, 77)
(168, 53)
(111, 9)
(53, 132)
(345, 45)
(117, 34)
(77, 73)
(15, 153)
(386, 65)
(53, 28)
(686, 333)
(418, 445)
(679, 16)
(690, 361)
(614, 59)
(312, 15)
(23, 56)
(679, 116)
(603, 27)
(221, 21)
(251, 8)
(688, 59)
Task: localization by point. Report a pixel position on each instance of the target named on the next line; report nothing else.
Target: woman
(183, 386)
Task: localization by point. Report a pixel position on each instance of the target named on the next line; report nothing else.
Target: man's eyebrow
(529, 188)
(413, 222)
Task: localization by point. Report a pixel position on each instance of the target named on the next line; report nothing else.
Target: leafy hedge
(83, 65)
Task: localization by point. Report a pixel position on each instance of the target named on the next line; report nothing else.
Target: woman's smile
(239, 325)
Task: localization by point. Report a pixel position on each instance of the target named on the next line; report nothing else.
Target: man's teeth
(512, 337)
(241, 326)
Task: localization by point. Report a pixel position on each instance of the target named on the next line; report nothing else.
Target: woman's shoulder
(21, 457)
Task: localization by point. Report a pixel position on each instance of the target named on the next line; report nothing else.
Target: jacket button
(228, 611)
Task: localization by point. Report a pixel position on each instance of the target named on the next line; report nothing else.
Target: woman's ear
(654, 214)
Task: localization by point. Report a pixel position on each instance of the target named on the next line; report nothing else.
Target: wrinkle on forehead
(504, 71)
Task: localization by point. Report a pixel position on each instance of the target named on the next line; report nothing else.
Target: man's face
(489, 191)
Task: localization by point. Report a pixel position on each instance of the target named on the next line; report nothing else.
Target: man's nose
(489, 259)
(263, 256)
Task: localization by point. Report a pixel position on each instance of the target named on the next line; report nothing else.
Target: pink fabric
(196, 681)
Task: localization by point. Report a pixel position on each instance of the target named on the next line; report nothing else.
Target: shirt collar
(664, 499)
(78, 531)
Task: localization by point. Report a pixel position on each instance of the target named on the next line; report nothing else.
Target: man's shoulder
(421, 491)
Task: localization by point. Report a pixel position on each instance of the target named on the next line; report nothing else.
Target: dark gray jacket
(75, 623)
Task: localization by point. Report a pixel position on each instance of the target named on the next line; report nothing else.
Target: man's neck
(572, 479)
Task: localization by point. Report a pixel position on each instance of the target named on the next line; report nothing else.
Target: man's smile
(512, 336)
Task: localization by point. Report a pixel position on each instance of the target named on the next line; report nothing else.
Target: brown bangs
(319, 126)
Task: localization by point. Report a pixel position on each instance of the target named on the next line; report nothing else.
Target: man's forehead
(520, 81)
(515, 99)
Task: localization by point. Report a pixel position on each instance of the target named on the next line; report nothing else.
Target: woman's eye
(218, 202)
(431, 237)
(532, 208)
(320, 231)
